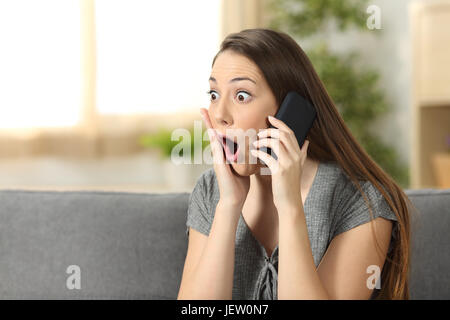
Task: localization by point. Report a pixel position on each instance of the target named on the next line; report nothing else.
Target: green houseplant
(166, 141)
(162, 141)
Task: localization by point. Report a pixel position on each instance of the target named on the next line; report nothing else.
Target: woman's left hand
(287, 170)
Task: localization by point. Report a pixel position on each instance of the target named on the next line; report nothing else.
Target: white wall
(388, 50)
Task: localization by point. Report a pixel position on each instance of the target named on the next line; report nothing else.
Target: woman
(327, 223)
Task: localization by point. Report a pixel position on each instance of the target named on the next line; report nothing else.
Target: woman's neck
(260, 191)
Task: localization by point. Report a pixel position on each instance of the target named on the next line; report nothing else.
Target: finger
(209, 128)
(305, 151)
(270, 132)
(220, 163)
(274, 144)
(216, 147)
(290, 133)
(220, 160)
(277, 123)
(205, 116)
(305, 146)
(288, 139)
(267, 159)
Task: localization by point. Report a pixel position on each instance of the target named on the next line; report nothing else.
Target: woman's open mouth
(230, 147)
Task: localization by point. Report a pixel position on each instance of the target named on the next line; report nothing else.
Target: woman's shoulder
(332, 168)
(207, 178)
(330, 174)
(345, 184)
(347, 196)
(336, 183)
(207, 183)
(336, 176)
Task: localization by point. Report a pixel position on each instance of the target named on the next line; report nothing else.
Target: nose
(222, 115)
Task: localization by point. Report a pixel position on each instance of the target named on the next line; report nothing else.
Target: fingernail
(210, 133)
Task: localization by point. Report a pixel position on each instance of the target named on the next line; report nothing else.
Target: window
(39, 63)
(154, 56)
(84, 71)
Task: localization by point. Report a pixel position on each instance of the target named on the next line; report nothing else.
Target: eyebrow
(234, 80)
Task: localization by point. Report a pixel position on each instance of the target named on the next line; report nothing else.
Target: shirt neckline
(275, 251)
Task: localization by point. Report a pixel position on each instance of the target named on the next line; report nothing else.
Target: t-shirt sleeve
(198, 208)
(352, 210)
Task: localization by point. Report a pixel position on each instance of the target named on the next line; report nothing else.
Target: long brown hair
(286, 67)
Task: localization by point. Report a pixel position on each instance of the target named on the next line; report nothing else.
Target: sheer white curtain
(39, 63)
(151, 57)
(154, 56)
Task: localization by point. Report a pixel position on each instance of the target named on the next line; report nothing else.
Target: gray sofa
(133, 246)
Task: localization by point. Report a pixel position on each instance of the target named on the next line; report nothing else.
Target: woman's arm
(297, 275)
(342, 273)
(209, 266)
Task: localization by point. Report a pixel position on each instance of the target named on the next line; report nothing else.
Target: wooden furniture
(430, 26)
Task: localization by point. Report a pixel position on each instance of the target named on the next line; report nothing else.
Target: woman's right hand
(233, 187)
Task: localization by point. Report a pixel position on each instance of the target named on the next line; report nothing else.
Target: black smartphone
(298, 114)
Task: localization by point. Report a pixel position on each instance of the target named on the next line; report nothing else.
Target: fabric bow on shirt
(267, 281)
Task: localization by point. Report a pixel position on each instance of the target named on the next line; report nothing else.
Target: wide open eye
(212, 94)
(241, 95)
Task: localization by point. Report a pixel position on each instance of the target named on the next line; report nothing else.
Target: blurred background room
(91, 90)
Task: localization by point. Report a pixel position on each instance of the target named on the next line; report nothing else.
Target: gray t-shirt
(332, 206)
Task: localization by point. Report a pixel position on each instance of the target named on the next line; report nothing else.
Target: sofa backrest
(430, 244)
(133, 245)
(126, 245)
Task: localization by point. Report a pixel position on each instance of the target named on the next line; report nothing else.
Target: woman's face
(241, 100)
